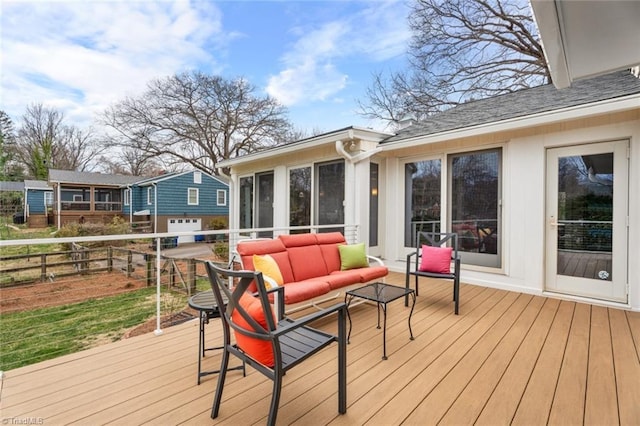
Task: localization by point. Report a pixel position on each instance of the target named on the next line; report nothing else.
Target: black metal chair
(435, 239)
(292, 341)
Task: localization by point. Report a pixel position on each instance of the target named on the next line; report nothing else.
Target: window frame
(197, 197)
(48, 194)
(222, 192)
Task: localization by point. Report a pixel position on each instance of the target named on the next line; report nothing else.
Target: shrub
(218, 223)
(221, 249)
(117, 226)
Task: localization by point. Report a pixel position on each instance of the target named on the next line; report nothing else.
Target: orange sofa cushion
(305, 290)
(307, 262)
(274, 248)
(329, 246)
(260, 350)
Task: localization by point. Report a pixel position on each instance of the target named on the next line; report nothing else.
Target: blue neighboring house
(38, 202)
(186, 201)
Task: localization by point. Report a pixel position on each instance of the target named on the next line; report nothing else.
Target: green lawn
(41, 334)
(24, 233)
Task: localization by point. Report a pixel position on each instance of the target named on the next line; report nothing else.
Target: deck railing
(60, 295)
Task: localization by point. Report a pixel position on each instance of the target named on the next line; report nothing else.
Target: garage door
(184, 224)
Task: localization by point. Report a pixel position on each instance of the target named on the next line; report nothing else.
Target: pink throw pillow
(436, 259)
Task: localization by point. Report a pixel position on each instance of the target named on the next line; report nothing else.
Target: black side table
(382, 294)
(205, 303)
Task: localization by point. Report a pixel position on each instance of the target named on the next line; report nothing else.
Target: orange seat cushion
(260, 350)
(372, 272)
(305, 290)
(339, 279)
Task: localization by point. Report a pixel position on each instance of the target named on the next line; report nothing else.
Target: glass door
(586, 229)
(264, 201)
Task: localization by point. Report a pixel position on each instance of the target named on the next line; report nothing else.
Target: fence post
(149, 260)
(191, 277)
(129, 263)
(109, 259)
(172, 275)
(43, 267)
(84, 255)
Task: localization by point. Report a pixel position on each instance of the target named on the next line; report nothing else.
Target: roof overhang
(587, 38)
(349, 133)
(609, 106)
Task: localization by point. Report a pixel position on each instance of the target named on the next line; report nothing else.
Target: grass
(22, 232)
(41, 334)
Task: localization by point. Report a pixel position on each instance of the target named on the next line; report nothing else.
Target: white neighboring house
(542, 185)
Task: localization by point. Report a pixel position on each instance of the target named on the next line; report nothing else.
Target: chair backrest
(438, 239)
(251, 318)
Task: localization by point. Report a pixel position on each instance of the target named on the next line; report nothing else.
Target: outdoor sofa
(310, 265)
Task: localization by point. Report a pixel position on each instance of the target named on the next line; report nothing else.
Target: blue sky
(315, 57)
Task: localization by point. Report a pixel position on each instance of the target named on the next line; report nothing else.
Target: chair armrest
(300, 322)
(410, 255)
(375, 259)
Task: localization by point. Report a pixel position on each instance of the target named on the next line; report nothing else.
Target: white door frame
(598, 287)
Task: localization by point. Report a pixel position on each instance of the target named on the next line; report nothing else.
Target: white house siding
(523, 142)
(523, 197)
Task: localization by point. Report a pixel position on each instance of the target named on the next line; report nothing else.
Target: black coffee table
(382, 294)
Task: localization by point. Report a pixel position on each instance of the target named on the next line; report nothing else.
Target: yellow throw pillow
(269, 268)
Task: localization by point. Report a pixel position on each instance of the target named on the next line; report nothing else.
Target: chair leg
(456, 294)
(221, 377)
(342, 363)
(275, 397)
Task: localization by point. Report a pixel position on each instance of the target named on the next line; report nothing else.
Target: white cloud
(82, 56)
(312, 68)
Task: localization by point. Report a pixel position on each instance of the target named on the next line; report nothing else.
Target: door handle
(554, 222)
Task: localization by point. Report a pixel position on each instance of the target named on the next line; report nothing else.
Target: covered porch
(507, 358)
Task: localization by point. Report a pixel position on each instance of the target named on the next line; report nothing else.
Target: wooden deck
(508, 358)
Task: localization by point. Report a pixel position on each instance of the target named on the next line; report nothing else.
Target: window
(422, 198)
(197, 177)
(246, 202)
(150, 195)
(264, 194)
(330, 193)
(373, 204)
(77, 198)
(127, 197)
(48, 198)
(475, 188)
(221, 197)
(192, 197)
(300, 197)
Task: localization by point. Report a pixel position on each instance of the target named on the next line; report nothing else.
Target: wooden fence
(176, 273)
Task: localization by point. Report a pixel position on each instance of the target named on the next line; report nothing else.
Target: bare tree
(460, 50)
(130, 161)
(198, 119)
(44, 141)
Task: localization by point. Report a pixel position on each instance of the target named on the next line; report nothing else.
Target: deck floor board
(508, 358)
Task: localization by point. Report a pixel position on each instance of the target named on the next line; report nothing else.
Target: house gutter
(354, 159)
(155, 206)
(608, 106)
(128, 186)
(59, 202)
